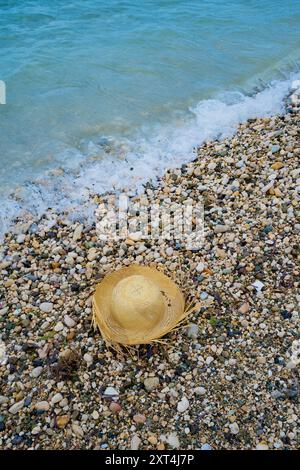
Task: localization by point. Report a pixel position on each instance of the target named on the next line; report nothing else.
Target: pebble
(77, 233)
(152, 440)
(56, 398)
(62, 421)
(42, 406)
(151, 383)
(77, 430)
(36, 430)
(200, 267)
(111, 392)
(115, 407)
(16, 407)
(36, 372)
(258, 285)
(200, 391)
(206, 447)
(89, 359)
(46, 307)
(58, 327)
(135, 442)
(183, 405)
(275, 148)
(95, 415)
(244, 308)
(169, 251)
(234, 428)
(221, 228)
(173, 441)
(3, 400)
(262, 447)
(193, 331)
(69, 322)
(277, 166)
(139, 419)
(21, 238)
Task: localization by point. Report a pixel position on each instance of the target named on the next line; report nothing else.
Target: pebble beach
(225, 380)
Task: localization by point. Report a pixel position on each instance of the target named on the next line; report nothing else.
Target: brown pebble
(62, 421)
(244, 308)
(139, 419)
(277, 166)
(115, 407)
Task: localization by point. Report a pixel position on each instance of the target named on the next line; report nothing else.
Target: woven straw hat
(137, 305)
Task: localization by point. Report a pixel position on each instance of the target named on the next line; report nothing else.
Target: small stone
(92, 254)
(135, 442)
(95, 415)
(234, 428)
(169, 251)
(62, 421)
(200, 391)
(139, 419)
(64, 402)
(173, 441)
(183, 405)
(258, 285)
(3, 400)
(111, 392)
(200, 267)
(209, 360)
(42, 406)
(59, 327)
(77, 233)
(193, 331)
(203, 295)
(262, 447)
(46, 307)
(152, 440)
(135, 236)
(16, 407)
(244, 308)
(57, 398)
(36, 372)
(275, 148)
(36, 430)
(115, 407)
(220, 253)
(221, 228)
(151, 383)
(206, 447)
(77, 430)
(69, 322)
(277, 166)
(88, 358)
(21, 238)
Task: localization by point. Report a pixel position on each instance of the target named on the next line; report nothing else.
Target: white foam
(147, 155)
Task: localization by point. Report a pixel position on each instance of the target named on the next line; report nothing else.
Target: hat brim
(112, 332)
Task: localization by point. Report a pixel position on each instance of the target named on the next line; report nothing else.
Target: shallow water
(116, 91)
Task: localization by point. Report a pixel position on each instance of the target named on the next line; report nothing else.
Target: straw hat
(137, 305)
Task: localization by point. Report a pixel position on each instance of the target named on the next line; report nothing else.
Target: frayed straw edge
(119, 348)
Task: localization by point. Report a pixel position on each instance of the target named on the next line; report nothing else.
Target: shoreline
(229, 371)
(141, 158)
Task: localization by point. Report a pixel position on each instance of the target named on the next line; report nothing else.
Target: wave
(115, 164)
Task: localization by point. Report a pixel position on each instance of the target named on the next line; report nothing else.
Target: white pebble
(46, 307)
(183, 405)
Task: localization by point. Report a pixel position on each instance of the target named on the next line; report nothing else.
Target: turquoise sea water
(112, 92)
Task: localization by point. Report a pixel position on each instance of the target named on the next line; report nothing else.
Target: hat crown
(137, 303)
